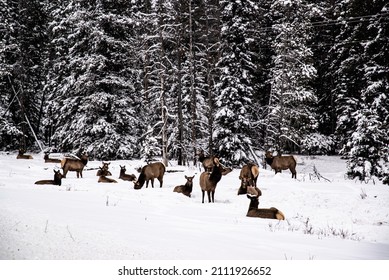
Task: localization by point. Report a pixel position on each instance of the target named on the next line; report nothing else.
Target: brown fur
(124, 176)
(265, 213)
(71, 164)
(48, 159)
(149, 173)
(57, 180)
(248, 176)
(279, 163)
(104, 179)
(21, 155)
(103, 170)
(208, 181)
(187, 188)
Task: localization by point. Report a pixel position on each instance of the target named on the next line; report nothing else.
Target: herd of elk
(187, 188)
(213, 172)
(150, 172)
(279, 163)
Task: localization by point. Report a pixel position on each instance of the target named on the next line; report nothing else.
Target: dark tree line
(145, 78)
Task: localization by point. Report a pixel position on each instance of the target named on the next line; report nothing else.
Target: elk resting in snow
(48, 159)
(279, 163)
(103, 170)
(255, 212)
(104, 179)
(57, 179)
(72, 164)
(124, 176)
(149, 173)
(21, 155)
(248, 176)
(187, 188)
(208, 181)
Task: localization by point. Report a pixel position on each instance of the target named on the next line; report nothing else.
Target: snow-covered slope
(83, 219)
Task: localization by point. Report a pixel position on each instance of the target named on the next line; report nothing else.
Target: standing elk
(124, 176)
(57, 179)
(279, 163)
(72, 164)
(208, 163)
(248, 176)
(149, 173)
(187, 188)
(266, 213)
(21, 155)
(208, 181)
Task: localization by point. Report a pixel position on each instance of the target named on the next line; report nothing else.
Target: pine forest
(124, 79)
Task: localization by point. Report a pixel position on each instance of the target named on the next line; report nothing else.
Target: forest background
(143, 78)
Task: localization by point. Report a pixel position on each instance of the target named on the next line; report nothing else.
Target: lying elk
(72, 164)
(187, 188)
(149, 173)
(21, 155)
(255, 212)
(103, 170)
(248, 176)
(208, 181)
(104, 179)
(124, 176)
(48, 159)
(57, 179)
(279, 163)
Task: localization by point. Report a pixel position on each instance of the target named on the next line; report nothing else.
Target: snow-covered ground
(83, 219)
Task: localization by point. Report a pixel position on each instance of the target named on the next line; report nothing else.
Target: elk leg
(160, 182)
(213, 196)
(147, 184)
(152, 183)
(209, 196)
(203, 195)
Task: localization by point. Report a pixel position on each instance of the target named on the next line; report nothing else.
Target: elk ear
(216, 161)
(186, 177)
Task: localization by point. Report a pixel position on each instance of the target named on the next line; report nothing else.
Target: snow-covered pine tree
(346, 69)
(9, 132)
(94, 100)
(234, 90)
(291, 117)
(368, 146)
(23, 44)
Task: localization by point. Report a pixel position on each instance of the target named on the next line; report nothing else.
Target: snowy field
(334, 219)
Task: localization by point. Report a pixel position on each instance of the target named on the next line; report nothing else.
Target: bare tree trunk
(162, 96)
(192, 90)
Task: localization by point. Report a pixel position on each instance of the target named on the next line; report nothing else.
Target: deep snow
(83, 219)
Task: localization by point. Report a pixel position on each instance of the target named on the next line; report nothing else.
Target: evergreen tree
(235, 87)
(290, 117)
(367, 149)
(23, 52)
(94, 98)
